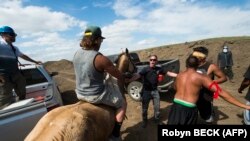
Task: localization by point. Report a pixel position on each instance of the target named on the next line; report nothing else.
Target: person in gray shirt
(90, 68)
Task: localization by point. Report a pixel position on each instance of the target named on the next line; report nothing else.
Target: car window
(33, 76)
(113, 58)
(135, 58)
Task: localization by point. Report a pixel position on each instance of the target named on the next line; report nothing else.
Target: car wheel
(134, 90)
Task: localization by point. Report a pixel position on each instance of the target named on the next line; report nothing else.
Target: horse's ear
(127, 51)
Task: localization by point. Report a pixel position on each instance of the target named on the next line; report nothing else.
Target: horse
(81, 121)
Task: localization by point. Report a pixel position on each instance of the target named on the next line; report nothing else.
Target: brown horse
(81, 121)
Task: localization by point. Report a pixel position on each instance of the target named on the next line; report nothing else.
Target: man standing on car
(11, 76)
(151, 75)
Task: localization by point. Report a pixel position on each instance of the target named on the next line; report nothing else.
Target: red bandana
(218, 89)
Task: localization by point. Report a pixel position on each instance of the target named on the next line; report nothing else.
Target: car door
(36, 83)
(17, 122)
(172, 66)
(18, 119)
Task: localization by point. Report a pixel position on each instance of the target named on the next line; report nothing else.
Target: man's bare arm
(221, 77)
(229, 98)
(102, 63)
(134, 77)
(222, 93)
(27, 58)
(171, 74)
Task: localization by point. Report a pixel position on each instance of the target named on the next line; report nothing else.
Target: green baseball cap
(94, 31)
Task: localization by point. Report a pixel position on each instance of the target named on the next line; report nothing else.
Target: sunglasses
(12, 34)
(153, 60)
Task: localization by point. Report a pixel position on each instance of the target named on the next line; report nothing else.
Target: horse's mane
(118, 57)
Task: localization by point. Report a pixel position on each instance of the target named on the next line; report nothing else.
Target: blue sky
(52, 29)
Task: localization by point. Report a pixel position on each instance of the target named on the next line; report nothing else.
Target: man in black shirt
(151, 75)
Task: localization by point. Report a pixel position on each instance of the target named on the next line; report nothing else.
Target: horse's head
(125, 64)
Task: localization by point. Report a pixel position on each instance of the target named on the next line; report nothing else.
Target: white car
(246, 115)
(42, 95)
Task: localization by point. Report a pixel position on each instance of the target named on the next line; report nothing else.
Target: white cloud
(48, 39)
(39, 29)
(50, 47)
(101, 5)
(174, 21)
(127, 8)
(119, 35)
(147, 42)
(50, 50)
(84, 7)
(36, 19)
(138, 24)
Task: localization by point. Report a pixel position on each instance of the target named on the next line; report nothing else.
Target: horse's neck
(122, 63)
(120, 66)
(112, 80)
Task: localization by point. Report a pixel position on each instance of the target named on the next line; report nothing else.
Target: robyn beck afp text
(186, 132)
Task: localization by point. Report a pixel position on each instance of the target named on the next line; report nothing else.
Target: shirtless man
(205, 102)
(188, 84)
